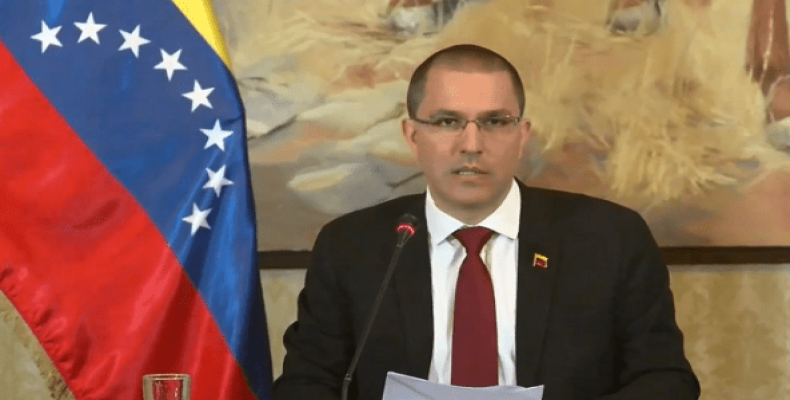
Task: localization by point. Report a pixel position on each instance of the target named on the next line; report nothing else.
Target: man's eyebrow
(497, 113)
(484, 114)
(448, 113)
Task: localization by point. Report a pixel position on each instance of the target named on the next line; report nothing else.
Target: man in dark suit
(502, 284)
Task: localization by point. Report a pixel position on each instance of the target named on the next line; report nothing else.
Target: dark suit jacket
(598, 323)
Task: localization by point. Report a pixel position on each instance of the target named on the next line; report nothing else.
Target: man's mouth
(468, 171)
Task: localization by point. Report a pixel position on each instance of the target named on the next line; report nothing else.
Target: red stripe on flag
(87, 269)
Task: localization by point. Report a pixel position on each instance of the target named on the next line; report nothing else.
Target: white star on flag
(133, 41)
(47, 37)
(198, 218)
(170, 63)
(199, 96)
(89, 29)
(216, 136)
(216, 180)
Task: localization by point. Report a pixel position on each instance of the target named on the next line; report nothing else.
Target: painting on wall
(653, 104)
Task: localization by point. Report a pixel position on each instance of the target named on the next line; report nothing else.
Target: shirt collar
(504, 220)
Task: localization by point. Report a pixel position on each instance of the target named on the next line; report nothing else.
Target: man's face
(469, 173)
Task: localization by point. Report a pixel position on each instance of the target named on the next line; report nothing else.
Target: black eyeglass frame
(478, 121)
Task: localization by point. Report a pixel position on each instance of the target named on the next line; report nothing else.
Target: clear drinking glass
(166, 387)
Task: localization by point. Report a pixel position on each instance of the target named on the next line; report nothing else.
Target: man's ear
(407, 128)
(525, 130)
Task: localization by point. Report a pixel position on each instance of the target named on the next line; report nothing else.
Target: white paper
(404, 387)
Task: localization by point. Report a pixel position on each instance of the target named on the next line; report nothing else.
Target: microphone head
(407, 223)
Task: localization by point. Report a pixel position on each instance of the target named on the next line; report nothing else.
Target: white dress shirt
(500, 256)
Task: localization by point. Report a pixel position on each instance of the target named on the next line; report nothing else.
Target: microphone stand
(402, 239)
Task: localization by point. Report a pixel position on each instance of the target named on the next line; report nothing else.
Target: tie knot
(473, 239)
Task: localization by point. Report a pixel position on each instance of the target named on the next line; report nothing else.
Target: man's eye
(496, 122)
(447, 122)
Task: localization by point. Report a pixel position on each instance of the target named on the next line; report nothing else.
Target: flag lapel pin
(540, 261)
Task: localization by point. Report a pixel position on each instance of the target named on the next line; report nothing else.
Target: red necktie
(475, 356)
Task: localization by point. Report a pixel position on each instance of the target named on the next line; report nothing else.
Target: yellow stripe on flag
(201, 15)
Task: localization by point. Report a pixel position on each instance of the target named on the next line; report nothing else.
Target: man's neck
(471, 216)
(468, 217)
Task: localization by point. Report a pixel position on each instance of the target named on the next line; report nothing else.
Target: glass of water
(166, 387)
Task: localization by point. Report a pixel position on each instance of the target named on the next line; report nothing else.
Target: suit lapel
(535, 283)
(412, 280)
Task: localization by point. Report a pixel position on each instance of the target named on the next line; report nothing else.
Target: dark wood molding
(283, 259)
(726, 255)
(672, 255)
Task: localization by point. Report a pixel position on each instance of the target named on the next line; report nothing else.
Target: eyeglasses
(498, 124)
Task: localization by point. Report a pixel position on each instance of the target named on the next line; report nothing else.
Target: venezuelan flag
(127, 228)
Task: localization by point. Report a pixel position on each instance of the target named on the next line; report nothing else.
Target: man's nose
(471, 138)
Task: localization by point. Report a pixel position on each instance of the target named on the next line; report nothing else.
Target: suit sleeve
(319, 345)
(650, 343)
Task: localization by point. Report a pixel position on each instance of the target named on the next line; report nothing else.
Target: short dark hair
(463, 57)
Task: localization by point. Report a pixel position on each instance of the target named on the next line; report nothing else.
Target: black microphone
(407, 227)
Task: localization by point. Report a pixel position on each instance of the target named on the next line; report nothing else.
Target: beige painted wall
(736, 320)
